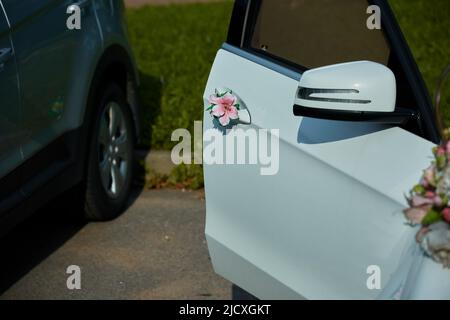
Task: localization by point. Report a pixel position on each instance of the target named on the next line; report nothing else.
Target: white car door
(332, 211)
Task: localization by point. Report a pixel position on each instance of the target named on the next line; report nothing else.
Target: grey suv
(68, 107)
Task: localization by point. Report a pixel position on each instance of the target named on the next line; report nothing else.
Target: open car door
(331, 212)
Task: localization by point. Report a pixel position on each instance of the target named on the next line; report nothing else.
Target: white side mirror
(353, 91)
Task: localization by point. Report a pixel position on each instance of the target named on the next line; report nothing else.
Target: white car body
(333, 210)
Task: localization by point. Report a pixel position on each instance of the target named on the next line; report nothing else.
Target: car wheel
(110, 157)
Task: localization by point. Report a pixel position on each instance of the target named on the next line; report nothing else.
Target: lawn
(426, 26)
(175, 46)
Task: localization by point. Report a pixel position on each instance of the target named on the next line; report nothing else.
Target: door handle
(5, 55)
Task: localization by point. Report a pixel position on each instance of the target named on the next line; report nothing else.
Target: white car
(355, 128)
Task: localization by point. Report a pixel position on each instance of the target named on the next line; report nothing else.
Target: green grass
(175, 47)
(426, 26)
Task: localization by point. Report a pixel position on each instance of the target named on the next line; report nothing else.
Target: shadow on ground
(35, 239)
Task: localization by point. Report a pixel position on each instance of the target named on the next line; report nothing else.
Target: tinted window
(314, 33)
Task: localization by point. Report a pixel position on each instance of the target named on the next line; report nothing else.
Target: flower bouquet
(430, 207)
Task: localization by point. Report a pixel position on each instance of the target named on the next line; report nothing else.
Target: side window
(315, 33)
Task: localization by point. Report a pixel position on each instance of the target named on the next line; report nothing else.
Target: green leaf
(431, 217)
(419, 189)
(444, 201)
(434, 150)
(238, 106)
(210, 107)
(441, 161)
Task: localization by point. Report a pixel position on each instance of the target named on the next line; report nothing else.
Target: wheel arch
(115, 64)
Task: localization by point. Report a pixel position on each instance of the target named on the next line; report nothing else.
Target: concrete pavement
(155, 250)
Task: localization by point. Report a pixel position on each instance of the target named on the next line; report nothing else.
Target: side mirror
(353, 91)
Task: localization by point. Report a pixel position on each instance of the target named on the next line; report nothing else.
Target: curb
(158, 161)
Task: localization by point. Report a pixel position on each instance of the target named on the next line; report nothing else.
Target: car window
(318, 33)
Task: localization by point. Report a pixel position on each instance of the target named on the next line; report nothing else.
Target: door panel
(332, 210)
(10, 135)
(47, 61)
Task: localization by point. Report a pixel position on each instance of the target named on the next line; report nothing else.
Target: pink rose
(424, 183)
(430, 194)
(446, 214)
(415, 215)
(437, 201)
(429, 175)
(440, 151)
(224, 108)
(418, 201)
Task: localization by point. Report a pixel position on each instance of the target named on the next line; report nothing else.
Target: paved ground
(136, 3)
(155, 250)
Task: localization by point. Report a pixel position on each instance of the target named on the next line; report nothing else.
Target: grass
(175, 47)
(426, 26)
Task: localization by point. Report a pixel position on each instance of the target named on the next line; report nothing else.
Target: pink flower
(446, 214)
(224, 108)
(448, 147)
(440, 151)
(437, 201)
(429, 175)
(415, 215)
(424, 183)
(418, 201)
(430, 194)
(421, 234)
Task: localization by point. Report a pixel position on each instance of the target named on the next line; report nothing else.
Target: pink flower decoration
(440, 151)
(429, 175)
(416, 215)
(224, 108)
(424, 182)
(446, 214)
(430, 194)
(418, 201)
(421, 234)
(437, 201)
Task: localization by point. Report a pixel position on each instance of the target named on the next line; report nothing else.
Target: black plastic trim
(237, 23)
(399, 117)
(399, 45)
(263, 61)
(305, 94)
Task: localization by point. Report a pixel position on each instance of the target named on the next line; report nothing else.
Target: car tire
(110, 157)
